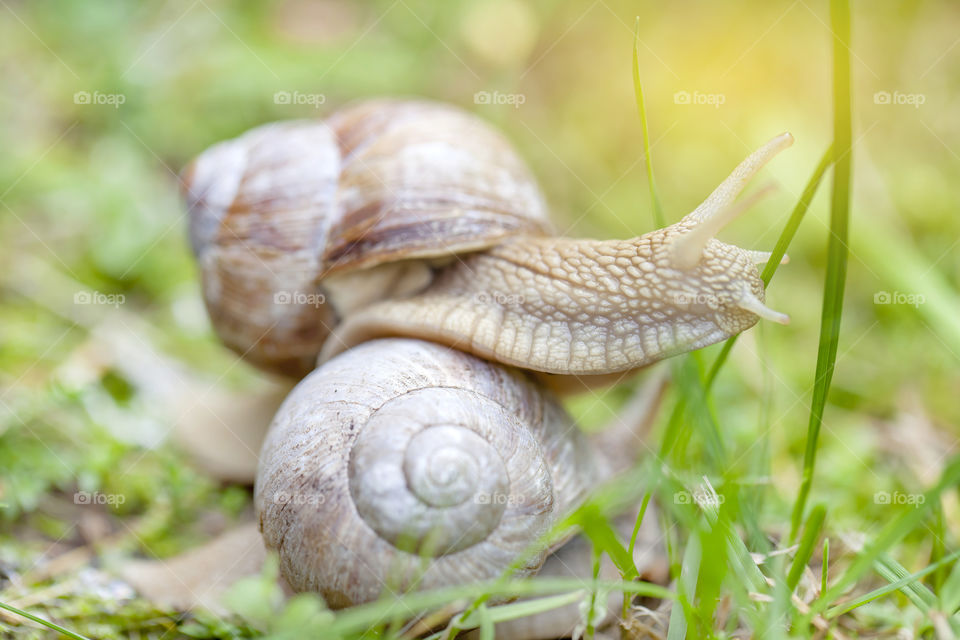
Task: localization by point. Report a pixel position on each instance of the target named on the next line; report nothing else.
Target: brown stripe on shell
(409, 165)
(274, 210)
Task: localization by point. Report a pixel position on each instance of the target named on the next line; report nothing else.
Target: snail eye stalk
(719, 209)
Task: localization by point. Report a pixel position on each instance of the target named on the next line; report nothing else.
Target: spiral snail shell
(281, 214)
(402, 450)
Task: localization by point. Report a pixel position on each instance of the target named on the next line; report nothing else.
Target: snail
(401, 450)
(405, 248)
(407, 218)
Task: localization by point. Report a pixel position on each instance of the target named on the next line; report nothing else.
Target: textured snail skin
(403, 464)
(586, 307)
(307, 228)
(571, 306)
(278, 213)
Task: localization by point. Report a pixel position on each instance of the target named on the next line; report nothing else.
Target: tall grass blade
(836, 274)
(810, 535)
(658, 218)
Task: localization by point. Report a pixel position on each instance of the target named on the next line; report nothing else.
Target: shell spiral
(400, 450)
(277, 210)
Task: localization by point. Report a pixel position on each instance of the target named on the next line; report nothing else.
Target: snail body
(588, 308)
(430, 454)
(399, 218)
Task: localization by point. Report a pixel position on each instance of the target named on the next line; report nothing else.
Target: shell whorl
(276, 210)
(435, 482)
(401, 450)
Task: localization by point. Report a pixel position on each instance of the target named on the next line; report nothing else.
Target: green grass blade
(716, 552)
(601, 534)
(748, 573)
(810, 534)
(46, 623)
(780, 249)
(938, 548)
(950, 591)
(825, 565)
(658, 217)
(692, 389)
(686, 586)
(487, 631)
(517, 610)
(898, 585)
(359, 618)
(592, 608)
(636, 526)
(633, 544)
(836, 274)
(892, 571)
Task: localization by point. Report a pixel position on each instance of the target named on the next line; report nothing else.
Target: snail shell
(278, 212)
(402, 463)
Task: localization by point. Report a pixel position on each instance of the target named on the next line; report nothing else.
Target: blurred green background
(104, 103)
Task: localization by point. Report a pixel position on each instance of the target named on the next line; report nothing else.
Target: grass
(836, 274)
(41, 621)
(656, 208)
(734, 475)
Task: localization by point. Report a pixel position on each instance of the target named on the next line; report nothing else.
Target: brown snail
(415, 219)
(402, 462)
